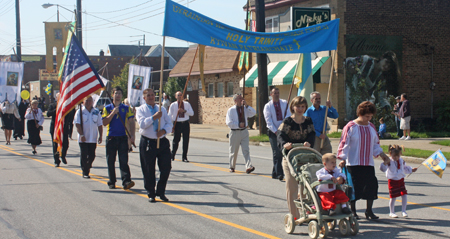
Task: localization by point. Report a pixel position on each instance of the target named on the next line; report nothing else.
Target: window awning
(279, 73)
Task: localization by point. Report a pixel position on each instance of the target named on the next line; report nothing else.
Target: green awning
(279, 73)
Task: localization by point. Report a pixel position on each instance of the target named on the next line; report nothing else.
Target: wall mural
(372, 72)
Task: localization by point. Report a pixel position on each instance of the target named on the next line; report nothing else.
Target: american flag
(79, 79)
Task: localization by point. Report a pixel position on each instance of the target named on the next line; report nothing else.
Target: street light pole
(18, 43)
(261, 60)
(79, 23)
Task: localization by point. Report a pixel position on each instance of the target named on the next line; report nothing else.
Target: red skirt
(396, 188)
(329, 200)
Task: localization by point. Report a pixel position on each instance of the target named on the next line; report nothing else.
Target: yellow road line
(102, 180)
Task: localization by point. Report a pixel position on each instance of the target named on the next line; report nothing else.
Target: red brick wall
(419, 22)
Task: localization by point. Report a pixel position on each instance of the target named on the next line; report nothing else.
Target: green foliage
(260, 138)
(445, 142)
(443, 114)
(173, 85)
(336, 135)
(122, 79)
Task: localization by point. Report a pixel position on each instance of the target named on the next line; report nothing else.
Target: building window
(211, 90)
(220, 89)
(230, 88)
(272, 24)
(189, 86)
(199, 84)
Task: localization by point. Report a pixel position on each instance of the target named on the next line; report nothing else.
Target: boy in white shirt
(328, 194)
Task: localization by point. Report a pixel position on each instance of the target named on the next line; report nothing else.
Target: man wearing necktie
(180, 111)
(237, 121)
(274, 114)
(148, 117)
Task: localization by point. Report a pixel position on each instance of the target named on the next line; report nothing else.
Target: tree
(173, 85)
(122, 79)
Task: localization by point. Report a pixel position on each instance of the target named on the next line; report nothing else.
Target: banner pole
(160, 87)
(328, 98)
(292, 86)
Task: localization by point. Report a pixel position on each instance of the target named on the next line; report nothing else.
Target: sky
(106, 22)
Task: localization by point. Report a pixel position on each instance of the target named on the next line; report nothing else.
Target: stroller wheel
(331, 225)
(323, 232)
(354, 226)
(289, 223)
(313, 229)
(344, 227)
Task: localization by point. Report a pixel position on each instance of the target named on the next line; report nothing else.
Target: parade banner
(11, 75)
(185, 24)
(138, 81)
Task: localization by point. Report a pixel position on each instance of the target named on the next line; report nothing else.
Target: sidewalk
(219, 133)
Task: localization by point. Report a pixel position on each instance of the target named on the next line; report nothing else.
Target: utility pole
(18, 43)
(261, 60)
(144, 40)
(79, 23)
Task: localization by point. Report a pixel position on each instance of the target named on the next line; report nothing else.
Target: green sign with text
(302, 16)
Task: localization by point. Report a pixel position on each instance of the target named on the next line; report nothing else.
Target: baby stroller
(303, 163)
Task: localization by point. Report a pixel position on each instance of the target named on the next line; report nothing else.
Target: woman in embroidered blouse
(35, 120)
(359, 144)
(9, 111)
(295, 129)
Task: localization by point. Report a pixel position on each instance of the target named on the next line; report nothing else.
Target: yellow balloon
(25, 95)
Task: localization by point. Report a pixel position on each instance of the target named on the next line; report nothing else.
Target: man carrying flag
(78, 80)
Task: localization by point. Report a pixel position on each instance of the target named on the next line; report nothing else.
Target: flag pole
(328, 98)
(292, 86)
(243, 60)
(160, 88)
(185, 86)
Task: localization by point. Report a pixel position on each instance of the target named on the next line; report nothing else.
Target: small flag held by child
(436, 163)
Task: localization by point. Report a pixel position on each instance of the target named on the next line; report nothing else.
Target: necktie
(181, 106)
(278, 110)
(330, 185)
(155, 122)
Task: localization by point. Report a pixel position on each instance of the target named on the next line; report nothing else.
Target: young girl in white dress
(396, 169)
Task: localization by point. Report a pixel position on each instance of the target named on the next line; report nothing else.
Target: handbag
(347, 187)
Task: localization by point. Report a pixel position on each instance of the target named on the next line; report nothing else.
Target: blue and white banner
(11, 75)
(138, 81)
(185, 24)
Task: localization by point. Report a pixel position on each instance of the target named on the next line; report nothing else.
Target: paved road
(38, 200)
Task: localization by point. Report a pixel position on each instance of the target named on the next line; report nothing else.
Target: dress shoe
(63, 159)
(281, 178)
(56, 165)
(331, 212)
(86, 176)
(111, 186)
(370, 215)
(151, 199)
(34, 152)
(128, 185)
(231, 170)
(249, 170)
(345, 210)
(15, 138)
(164, 198)
(356, 216)
(186, 160)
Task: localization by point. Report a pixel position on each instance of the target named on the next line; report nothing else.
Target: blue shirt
(382, 128)
(318, 116)
(115, 127)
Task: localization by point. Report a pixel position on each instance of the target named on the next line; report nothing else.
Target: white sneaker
(402, 138)
(393, 215)
(404, 214)
(408, 138)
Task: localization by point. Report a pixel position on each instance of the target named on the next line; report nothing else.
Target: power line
(122, 9)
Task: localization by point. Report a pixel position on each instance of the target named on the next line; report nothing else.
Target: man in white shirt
(180, 111)
(147, 116)
(274, 113)
(237, 121)
(89, 127)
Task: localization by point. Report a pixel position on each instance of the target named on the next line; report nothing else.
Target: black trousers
(148, 154)
(116, 145)
(64, 149)
(277, 170)
(185, 129)
(87, 156)
(399, 131)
